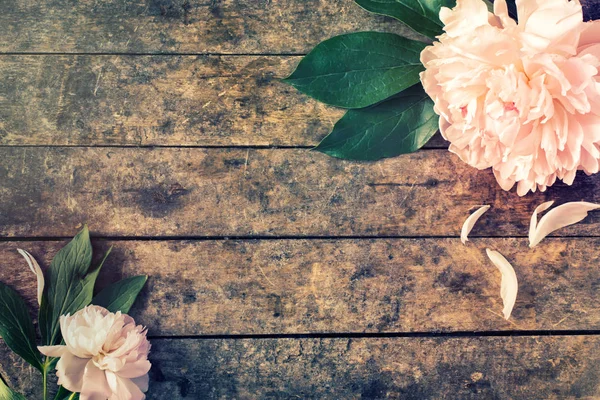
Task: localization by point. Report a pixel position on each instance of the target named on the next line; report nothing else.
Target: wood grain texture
(315, 286)
(456, 368)
(158, 101)
(181, 26)
(245, 192)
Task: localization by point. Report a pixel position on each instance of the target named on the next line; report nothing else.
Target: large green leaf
(121, 295)
(359, 69)
(69, 285)
(16, 327)
(420, 15)
(7, 393)
(399, 125)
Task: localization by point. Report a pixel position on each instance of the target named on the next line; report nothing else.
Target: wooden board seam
(382, 335)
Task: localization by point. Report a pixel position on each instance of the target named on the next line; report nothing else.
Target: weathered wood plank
(158, 101)
(408, 368)
(300, 286)
(245, 192)
(181, 26)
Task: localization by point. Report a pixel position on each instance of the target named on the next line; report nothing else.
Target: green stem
(45, 382)
(45, 378)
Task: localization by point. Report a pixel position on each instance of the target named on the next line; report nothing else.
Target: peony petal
(470, 223)
(466, 16)
(95, 385)
(123, 388)
(35, 268)
(533, 223)
(509, 286)
(559, 217)
(53, 351)
(142, 382)
(70, 370)
(135, 369)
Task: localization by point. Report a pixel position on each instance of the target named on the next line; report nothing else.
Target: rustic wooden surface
(192, 192)
(274, 271)
(223, 287)
(158, 101)
(181, 26)
(558, 367)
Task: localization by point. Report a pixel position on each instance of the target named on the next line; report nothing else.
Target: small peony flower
(521, 98)
(105, 355)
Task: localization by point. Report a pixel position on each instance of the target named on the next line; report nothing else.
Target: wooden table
(275, 272)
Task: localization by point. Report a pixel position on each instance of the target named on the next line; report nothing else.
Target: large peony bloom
(521, 98)
(105, 356)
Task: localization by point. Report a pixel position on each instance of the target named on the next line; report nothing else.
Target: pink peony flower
(105, 356)
(521, 98)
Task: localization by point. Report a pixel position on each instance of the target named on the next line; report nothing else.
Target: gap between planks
(373, 335)
(272, 238)
(154, 54)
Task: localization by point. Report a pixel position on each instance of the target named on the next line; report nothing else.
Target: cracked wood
(158, 101)
(182, 26)
(48, 192)
(408, 368)
(306, 286)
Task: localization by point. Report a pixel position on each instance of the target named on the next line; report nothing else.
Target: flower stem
(45, 377)
(45, 382)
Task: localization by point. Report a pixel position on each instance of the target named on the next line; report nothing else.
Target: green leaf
(400, 125)
(6, 393)
(16, 327)
(121, 295)
(64, 394)
(490, 5)
(69, 285)
(359, 69)
(420, 15)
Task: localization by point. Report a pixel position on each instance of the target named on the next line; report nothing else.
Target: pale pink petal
(467, 15)
(591, 34)
(559, 217)
(501, 10)
(509, 285)
(35, 268)
(53, 351)
(566, 19)
(70, 370)
(135, 369)
(123, 388)
(142, 382)
(95, 385)
(534, 220)
(470, 223)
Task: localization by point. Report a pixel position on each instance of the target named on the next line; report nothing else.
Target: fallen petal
(559, 217)
(533, 224)
(470, 223)
(35, 268)
(509, 285)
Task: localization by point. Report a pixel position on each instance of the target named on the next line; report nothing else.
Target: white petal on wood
(35, 268)
(533, 224)
(470, 223)
(509, 285)
(559, 217)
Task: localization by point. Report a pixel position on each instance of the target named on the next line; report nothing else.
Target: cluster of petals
(105, 355)
(522, 98)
